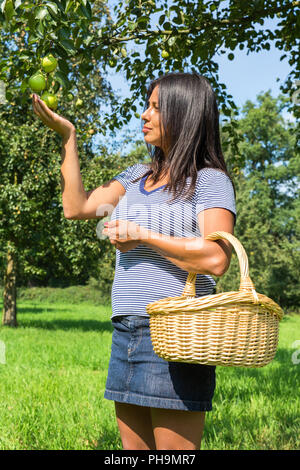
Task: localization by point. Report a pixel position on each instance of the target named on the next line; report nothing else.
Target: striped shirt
(142, 275)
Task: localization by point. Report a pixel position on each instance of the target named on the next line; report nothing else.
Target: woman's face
(151, 116)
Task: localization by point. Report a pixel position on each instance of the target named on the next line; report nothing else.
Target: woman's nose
(144, 115)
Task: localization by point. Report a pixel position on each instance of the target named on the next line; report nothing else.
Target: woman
(159, 404)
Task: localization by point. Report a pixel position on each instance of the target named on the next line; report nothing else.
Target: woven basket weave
(238, 328)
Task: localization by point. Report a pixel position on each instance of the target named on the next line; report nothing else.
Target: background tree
(85, 39)
(266, 174)
(37, 243)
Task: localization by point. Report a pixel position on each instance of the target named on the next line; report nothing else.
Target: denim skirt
(138, 376)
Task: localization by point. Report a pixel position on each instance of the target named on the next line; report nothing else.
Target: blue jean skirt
(138, 376)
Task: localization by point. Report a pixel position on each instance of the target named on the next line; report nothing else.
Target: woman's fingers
(37, 106)
(42, 107)
(45, 114)
(56, 122)
(42, 114)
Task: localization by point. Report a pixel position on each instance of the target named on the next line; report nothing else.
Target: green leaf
(64, 33)
(41, 13)
(32, 39)
(167, 26)
(121, 22)
(86, 11)
(9, 10)
(98, 52)
(62, 79)
(161, 19)
(143, 19)
(226, 111)
(53, 36)
(64, 67)
(177, 20)
(31, 22)
(3, 2)
(69, 4)
(24, 56)
(230, 56)
(172, 41)
(52, 14)
(68, 45)
(131, 25)
(87, 41)
(53, 6)
(40, 30)
(61, 51)
(56, 87)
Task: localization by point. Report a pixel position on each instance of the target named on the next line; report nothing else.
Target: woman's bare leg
(135, 426)
(177, 429)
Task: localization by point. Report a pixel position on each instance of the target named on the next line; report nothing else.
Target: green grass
(259, 408)
(53, 381)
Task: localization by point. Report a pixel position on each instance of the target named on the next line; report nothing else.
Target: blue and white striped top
(142, 275)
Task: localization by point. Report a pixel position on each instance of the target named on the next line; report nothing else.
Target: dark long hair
(190, 123)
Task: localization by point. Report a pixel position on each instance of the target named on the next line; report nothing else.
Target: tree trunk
(10, 291)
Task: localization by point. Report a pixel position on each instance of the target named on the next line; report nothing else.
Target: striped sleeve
(214, 189)
(126, 176)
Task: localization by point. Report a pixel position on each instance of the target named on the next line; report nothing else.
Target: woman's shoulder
(138, 168)
(143, 167)
(212, 181)
(133, 171)
(211, 175)
(208, 171)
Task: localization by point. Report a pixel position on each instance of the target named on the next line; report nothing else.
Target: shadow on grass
(263, 400)
(280, 377)
(66, 325)
(55, 309)
(37, 310)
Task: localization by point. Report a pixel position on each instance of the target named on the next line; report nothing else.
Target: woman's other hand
(124, 246)
(57, 123)
(124, 234)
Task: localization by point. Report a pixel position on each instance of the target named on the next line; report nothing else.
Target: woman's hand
(125, 246)
(125, 234)
(57, 123)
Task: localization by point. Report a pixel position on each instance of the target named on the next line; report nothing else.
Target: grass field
(52, 376)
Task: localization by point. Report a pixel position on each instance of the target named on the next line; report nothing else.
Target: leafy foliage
(81, 33)
(266, 175)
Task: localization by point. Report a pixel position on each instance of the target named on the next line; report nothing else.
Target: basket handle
(246, 285)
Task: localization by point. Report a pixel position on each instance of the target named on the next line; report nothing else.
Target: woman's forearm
(73, 193)
(190, 254)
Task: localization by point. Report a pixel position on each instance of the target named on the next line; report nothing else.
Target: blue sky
(245, 77)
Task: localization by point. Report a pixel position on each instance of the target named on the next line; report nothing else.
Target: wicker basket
(229, 329)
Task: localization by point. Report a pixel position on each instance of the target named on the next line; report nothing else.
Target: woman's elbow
(215, 267)
(220, 266)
